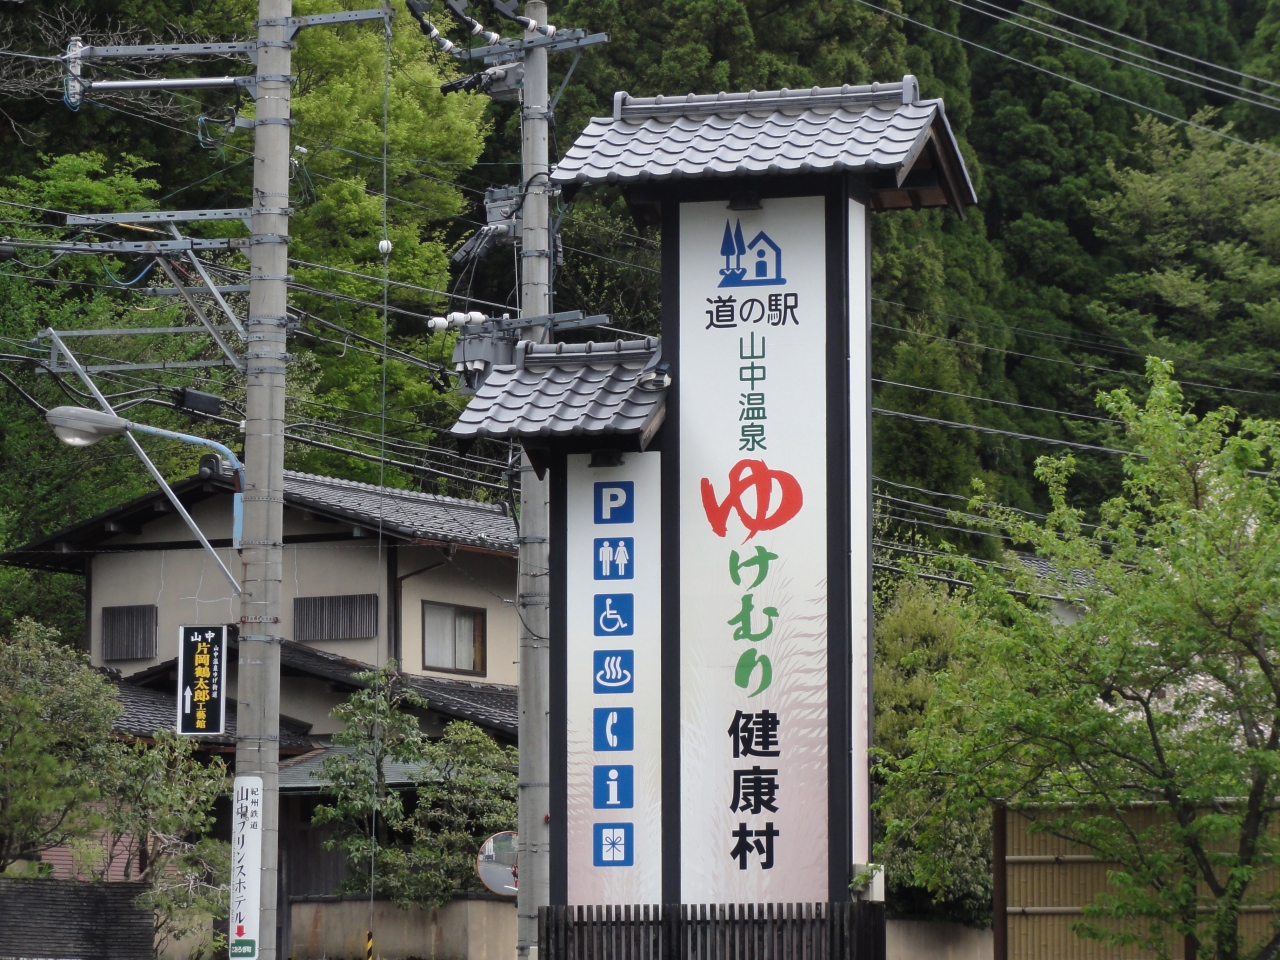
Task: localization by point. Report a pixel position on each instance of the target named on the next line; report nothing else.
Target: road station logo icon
(764, 259)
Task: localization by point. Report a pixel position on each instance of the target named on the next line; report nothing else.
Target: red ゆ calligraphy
(755, 477)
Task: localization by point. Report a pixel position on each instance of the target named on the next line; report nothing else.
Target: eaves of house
(360, 510)
(488, 705)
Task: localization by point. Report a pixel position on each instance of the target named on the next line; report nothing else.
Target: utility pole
(533, 851)
(258, 692)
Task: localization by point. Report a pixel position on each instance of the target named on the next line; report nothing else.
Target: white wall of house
(477, 580)
(187, 588)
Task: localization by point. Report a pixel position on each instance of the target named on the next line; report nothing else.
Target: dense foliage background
(1102, 235)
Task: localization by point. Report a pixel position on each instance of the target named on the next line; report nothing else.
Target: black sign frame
(202, 681)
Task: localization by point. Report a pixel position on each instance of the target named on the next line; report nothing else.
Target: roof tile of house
(423, 516)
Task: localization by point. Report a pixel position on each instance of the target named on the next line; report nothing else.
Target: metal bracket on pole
(159, 216)
(200, 315)
(565, 320)
(171, 50)
(514, 49)
(577, 58)
(209, 285)
(59, 346)
(324, 19)
(151, 247)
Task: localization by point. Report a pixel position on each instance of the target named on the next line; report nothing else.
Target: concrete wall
(930, 940)
(188, 588)
(461, 930)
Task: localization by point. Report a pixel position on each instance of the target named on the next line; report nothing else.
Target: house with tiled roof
(369, 574)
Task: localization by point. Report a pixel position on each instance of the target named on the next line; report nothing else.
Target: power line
(397, 283)
(1080, 83)
(1148, 43)
(1168, 76)
(880, 411)
(1069, 363)
(622, 263)
(1005, 403)
(1115, 346)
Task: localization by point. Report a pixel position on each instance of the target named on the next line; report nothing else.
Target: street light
(82, 427)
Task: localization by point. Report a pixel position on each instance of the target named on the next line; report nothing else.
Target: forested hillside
(1105, 232)
(1125, 154)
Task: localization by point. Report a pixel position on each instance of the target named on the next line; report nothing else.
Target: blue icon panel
(615, 501)
(613, 787)
(613, 671)
(613, 616)
(614, 728)
(613, 845)
(614, 558)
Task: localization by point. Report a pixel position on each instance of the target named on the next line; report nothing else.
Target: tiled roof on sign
(571, 390)
(879, 126)
(423, 516)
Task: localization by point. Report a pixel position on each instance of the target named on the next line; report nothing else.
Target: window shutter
(350, 617)
(129, 633)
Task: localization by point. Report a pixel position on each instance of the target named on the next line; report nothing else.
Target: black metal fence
(767, 931)
(57, 919)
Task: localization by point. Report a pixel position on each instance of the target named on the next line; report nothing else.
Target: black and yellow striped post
(368, 947)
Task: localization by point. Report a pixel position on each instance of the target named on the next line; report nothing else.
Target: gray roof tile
(849, 128)
(570, 390)
(145, 712)
(422, 516)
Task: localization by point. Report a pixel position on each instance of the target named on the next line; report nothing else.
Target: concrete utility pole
(533, 853)
(258, 693)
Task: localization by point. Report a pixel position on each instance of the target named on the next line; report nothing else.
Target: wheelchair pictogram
(613, 615)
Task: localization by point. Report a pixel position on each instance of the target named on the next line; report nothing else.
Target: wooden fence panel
(791, 931)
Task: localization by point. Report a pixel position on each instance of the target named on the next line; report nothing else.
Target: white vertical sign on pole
(860, 531)
(753, 552)
(246, 868)
(613, 656)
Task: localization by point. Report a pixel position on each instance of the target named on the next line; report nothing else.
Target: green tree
(1200, 282)
(1163, 694)
(467, 794)
(158, 811)
(418, 848)
(56, 717)
(379, 729)
(915, 637)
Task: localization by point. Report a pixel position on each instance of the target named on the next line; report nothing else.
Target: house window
(452, 638)
(350, 617)
(129, 633)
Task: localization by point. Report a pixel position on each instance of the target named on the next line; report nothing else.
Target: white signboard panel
(860, 531)
(753, 553)
(613, 658)
(246, 868)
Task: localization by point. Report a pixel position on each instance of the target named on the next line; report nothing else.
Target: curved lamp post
(82, 427)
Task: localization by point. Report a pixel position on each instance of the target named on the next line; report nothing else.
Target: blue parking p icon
(615, 501)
